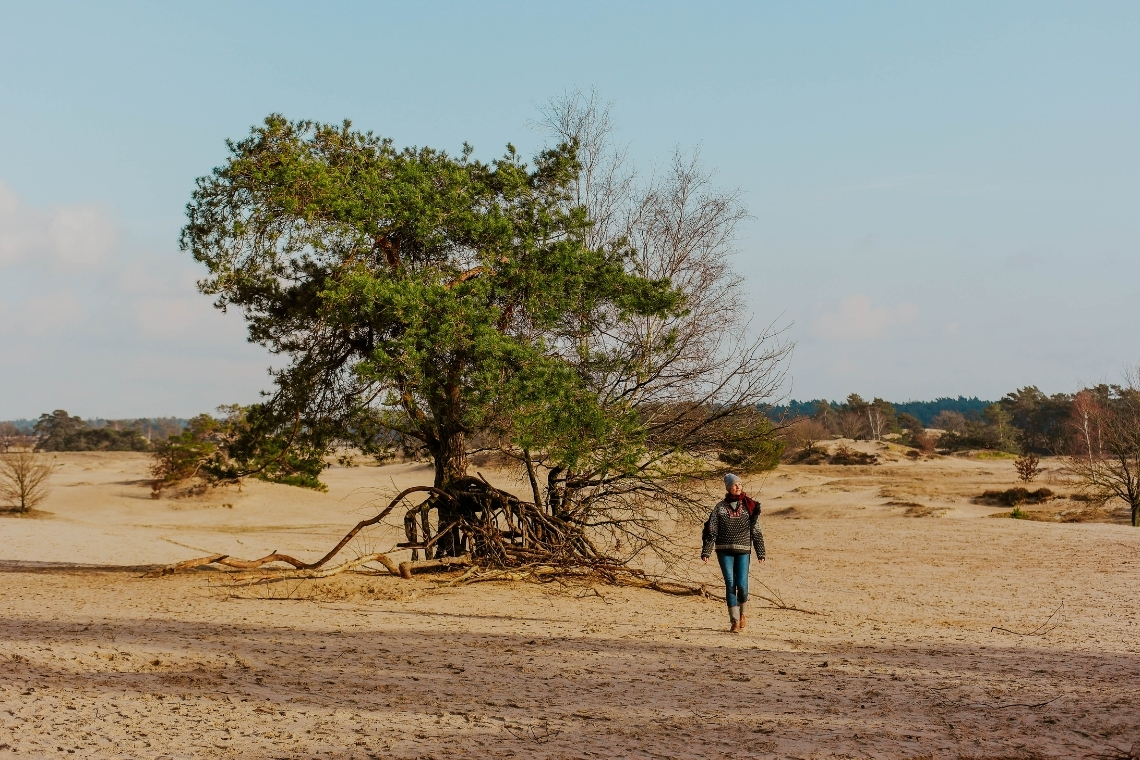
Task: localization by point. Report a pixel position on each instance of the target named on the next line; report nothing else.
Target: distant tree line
(1096, 429)
(1026, 421)
(60, 431)
(923, 411)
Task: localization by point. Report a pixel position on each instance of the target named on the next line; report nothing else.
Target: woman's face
(735, 489)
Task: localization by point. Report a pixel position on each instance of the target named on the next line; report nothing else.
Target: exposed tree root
(495, 534)
(491, 526)
(325, 572)
(228, 561)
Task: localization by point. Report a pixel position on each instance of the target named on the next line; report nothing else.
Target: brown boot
(735, 627)
(740, 625)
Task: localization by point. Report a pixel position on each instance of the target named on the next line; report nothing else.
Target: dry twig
(778, 602)
(1040, 630)
(540, 736)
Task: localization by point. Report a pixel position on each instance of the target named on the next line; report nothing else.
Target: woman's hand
(705, 560)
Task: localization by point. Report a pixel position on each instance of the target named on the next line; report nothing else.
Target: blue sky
(943, 196)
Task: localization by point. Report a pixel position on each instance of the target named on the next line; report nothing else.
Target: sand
(901, 660)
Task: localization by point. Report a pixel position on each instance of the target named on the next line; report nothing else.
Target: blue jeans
(734, 568)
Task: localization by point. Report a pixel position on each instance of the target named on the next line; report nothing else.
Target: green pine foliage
(241, 442)
(427, 295)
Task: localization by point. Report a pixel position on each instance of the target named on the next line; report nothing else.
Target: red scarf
(748, 503)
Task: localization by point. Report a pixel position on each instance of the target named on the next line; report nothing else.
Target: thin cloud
(101, 325)
(79, 236)
(858, 319)
(41, 315)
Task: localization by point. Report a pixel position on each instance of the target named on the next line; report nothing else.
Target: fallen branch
(190, 564)
(1039, 630)
(528, 732)
(407, 568)
(461, 579)
(227, 561)
(1021, 704)
(991, 706)
(673, 588)
(778, 602)
(327, 572)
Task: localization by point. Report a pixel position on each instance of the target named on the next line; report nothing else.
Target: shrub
(23, 479)
(801, 436)
(848, 456)
(1015, 496)
(813, 455)
(924, 442)
(851, 424)
(1027, 467)
(990, 455)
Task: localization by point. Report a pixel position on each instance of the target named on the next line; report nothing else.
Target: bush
(924, 442)
(806, 455)
(193, 452)
(1027, 467)
(911, 424)
(23, 479)
(801, 436)
(762, 455)
(1015, 496)
(848, 456)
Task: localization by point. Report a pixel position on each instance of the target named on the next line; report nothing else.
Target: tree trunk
(533, 475)
(450, 459)
(554, 492)
(450, 465)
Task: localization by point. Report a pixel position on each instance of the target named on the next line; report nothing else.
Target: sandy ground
(902, 659)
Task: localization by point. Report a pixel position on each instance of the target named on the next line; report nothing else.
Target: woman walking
(733, 529)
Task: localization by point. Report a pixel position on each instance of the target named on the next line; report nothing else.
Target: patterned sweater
(733, 534)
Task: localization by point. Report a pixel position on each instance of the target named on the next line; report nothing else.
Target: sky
(943, 197)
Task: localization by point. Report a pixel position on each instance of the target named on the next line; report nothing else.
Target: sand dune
(907, 575)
